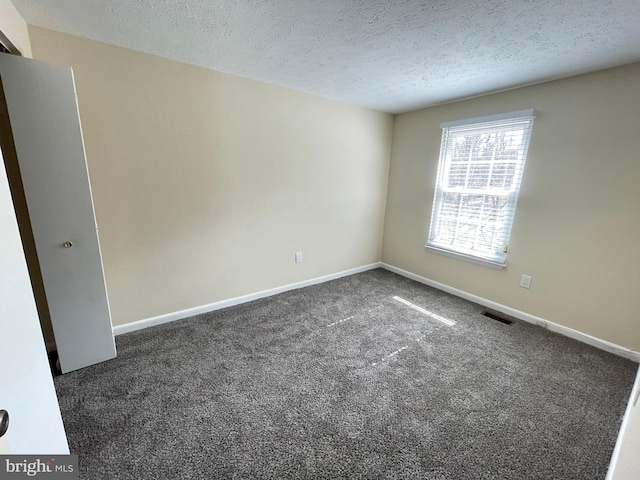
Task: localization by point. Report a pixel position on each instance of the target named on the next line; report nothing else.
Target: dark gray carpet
(340, 380)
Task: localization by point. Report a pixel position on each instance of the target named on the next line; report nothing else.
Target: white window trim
(498, 264)
(466, 258)
(529, 112)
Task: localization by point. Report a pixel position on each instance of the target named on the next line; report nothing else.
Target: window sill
(466, 258)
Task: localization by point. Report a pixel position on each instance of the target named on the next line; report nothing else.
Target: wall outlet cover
(525, 281)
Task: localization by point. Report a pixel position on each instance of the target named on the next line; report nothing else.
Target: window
(479, 174)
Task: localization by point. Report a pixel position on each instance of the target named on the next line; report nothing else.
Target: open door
(41, 117)
(26, 390)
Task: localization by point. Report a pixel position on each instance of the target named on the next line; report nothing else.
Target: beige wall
(13, 26)
(577, 225)
(206, 184)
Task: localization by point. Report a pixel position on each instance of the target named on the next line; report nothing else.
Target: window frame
(496, 259)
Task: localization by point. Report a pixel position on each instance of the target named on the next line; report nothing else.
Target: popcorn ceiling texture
(393, 56)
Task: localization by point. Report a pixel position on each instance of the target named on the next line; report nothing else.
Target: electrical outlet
(298, 257)
(525, 281)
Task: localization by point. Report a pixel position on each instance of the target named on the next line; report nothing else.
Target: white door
(26, 388)
(43, 113)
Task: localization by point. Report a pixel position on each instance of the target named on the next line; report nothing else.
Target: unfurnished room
(325, 239)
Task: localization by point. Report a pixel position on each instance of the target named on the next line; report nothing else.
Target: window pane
(479, 175)
(450, 204)
(470, 207)
(484, 147)
(480, 171)
(510, 175)
(457, 175)
(461, 147)
(466, 234)
(447, 230)
(498, 176)
(495, 208)
(488, 237)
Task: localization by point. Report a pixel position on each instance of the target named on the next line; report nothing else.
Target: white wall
(626, 458)
(14, 27)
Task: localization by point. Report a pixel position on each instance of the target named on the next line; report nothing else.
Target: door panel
(26, 389)
(43, 113)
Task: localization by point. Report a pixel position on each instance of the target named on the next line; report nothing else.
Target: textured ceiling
(393, 55)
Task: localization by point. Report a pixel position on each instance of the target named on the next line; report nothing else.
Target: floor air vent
(498, 318)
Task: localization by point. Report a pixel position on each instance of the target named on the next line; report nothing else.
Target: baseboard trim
(549, 325)
(190, 312)
(633, 403)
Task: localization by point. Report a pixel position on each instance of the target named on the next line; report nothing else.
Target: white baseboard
(190, 312)
(554, 327)
(588, 339)
(633, 403)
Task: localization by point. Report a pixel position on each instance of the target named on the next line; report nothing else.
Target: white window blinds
(479, 174)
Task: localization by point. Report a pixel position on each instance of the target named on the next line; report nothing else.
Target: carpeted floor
(342, 380)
